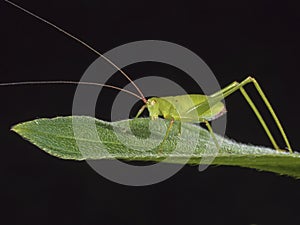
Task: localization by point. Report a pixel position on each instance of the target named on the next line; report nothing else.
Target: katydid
(178, 108)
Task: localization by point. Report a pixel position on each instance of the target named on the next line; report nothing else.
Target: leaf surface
(81, 138)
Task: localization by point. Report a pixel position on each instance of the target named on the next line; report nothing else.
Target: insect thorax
(162, 107)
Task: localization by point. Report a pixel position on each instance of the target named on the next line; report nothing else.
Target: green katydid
(178, 108)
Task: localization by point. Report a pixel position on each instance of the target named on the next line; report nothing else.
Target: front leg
(167, 133)
(140, 111)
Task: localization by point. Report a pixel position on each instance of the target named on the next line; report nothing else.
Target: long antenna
(70, 82)
(81, 42)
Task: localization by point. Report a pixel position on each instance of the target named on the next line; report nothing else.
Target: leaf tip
(16, 128)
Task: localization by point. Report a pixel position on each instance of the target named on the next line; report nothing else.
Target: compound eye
(152, 102)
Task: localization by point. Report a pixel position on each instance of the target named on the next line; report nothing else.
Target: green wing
(196, 107)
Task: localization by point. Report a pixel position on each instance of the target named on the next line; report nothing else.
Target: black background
(235, 38)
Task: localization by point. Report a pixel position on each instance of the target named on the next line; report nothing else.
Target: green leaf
(132, 140)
